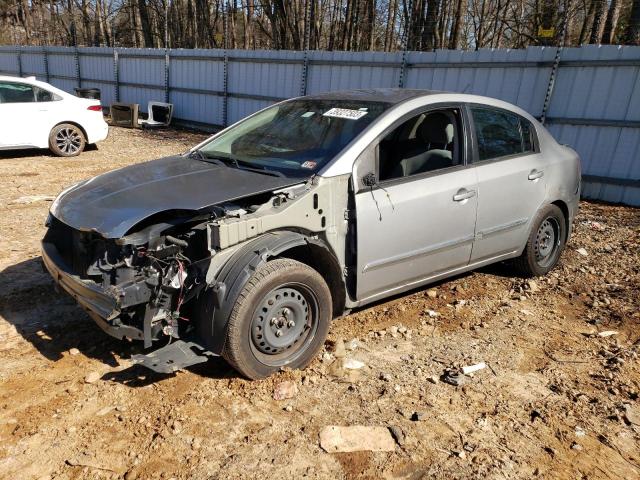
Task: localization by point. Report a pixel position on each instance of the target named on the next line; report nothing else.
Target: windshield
(294, 138)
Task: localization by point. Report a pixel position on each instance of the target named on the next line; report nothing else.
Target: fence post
(305, 47)
(551, 85)
(19, 58)
(305, 73)
(76, 57)
(554, 70)
(225, 90)
(116, 74)
(403, 69)
(45, 60)
(225, 70)
(166, 75)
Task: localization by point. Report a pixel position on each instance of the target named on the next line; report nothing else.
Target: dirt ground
(556, 400)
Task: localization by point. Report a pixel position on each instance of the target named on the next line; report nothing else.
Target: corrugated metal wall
(594, 106)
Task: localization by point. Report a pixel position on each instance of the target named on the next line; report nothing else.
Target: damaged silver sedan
(248, 245)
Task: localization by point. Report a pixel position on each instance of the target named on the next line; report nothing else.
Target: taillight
(95, 108)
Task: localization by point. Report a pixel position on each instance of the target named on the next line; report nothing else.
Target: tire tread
(232, 351)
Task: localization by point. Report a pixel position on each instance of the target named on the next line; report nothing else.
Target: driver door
(414, 223)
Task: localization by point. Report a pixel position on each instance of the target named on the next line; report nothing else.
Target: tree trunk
(586, 23)
(390, 28)
(599, 18)
(430, 26)
(611, 23)
(632, 33)
(458, 20)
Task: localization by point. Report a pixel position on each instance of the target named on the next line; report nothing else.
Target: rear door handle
(535, 174)
(463, 194)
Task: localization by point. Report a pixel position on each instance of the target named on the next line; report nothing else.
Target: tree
(632, 33)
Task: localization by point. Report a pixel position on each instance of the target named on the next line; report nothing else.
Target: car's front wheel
(66, 140)
(545, 243)
(280, 319)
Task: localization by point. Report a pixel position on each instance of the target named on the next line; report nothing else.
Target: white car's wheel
(66, 140)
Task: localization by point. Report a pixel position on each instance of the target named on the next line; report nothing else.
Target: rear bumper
(97, 131)
(99, 304)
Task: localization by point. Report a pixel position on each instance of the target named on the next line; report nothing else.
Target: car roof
(391, 96)
(32, 80)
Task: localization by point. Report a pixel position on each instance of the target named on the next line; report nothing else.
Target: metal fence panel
(594, 105)
(32, 59)
(200, 70)
(330, 71)
(97, 71)
(8, 61)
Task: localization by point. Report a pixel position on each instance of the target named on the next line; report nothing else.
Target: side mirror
(369, 180)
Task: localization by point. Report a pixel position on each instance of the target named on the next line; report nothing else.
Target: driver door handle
(463, 194)
(535, 174)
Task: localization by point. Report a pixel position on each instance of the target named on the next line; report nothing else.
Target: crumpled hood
(114, 202)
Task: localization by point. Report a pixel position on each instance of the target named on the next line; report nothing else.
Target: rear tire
(545, 244)
(66, 140)
(280, 319)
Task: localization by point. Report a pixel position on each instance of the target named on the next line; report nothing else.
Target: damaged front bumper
(101, 305)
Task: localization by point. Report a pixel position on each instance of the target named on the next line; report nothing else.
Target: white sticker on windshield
(345, 113)
(308, 114)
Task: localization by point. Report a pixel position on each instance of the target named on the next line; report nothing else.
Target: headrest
(436, 128)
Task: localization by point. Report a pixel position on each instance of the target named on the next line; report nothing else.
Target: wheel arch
(562, 205)
(216, 307)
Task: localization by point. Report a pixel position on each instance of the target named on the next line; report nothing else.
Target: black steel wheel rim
(284, 324)
(547, 241)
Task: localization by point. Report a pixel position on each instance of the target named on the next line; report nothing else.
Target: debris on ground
(92, 377)
(356, 438)
(607, 333)
(24, 200)
(352, 364)
(473, 368)
(285, 390)
(398, 434)
(456, 379)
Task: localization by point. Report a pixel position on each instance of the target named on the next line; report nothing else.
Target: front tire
(545, 244)
(280, 319)
(66, 140)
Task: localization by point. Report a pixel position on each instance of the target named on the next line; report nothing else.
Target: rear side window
(500, 133)
(16, 93)
(527, 135)
(43, 95)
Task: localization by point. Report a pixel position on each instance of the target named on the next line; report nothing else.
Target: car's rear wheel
(545, 244)
(66, 140)
(280, 319)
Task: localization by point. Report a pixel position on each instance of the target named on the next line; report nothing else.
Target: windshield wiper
(242, 164)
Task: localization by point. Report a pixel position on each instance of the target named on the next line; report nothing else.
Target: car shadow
(37, 152)
(53, 323)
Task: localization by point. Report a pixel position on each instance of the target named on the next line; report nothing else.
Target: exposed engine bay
(152, 276)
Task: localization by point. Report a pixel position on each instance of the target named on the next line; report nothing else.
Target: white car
(34, 114)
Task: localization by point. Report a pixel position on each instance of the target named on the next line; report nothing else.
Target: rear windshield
(296, 138)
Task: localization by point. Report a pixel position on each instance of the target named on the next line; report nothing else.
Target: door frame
(473, 137)
(368, 162)
(373, 149)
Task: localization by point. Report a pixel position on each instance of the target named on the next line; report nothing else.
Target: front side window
(427, 142)
(11, 92)
(500, 133)
(294, 138)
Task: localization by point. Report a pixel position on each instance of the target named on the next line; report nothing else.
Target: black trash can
(93, 93)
